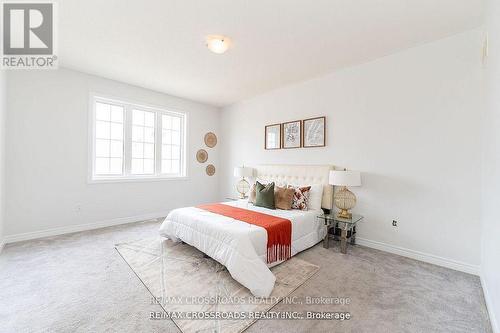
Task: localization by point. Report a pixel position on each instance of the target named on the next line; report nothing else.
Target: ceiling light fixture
(218, 44)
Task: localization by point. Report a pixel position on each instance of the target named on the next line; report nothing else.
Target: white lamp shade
(345, 178)
(243, 172)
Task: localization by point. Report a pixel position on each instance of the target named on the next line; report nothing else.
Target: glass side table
(345, 226)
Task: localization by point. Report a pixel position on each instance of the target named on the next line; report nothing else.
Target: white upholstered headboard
(299, 174)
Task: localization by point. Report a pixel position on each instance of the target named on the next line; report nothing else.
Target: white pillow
(315, 195)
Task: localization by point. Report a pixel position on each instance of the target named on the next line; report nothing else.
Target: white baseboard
(489, 306)
(2, 245)
(81, 227)
(429, 258)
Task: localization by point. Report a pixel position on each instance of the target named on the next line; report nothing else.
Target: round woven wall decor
(210, 170)
(210, 139)
(201, 156)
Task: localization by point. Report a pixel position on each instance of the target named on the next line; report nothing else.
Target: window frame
(127, 176)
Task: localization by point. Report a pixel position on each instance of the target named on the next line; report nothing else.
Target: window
(108, 139)
(143, 142)
(130, 141)
(170, 144)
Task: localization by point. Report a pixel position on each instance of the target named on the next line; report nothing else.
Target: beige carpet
(187, 283)
(79, 283)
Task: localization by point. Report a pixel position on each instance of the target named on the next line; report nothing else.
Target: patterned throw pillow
(300, 197)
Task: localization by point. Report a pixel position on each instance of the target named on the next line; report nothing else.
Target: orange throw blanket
(279, 230)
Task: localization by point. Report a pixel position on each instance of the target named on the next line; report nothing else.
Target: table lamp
(243, 186)
(343, 198)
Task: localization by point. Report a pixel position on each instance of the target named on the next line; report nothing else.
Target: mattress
(238, 245)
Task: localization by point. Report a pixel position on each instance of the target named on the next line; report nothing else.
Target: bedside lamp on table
(344, 199)
(243, 186)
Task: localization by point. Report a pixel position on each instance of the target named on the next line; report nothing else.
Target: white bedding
(241, 246)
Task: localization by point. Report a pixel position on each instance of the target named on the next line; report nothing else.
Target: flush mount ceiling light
(218, 44)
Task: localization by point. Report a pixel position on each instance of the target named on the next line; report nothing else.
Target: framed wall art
(272, 136)
(314, 132)
(292, 134)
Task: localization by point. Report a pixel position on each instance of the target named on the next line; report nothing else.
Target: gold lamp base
(344, 201)
(344, 214)
(243, 187)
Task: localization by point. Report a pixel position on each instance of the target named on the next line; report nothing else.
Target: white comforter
(240, 246)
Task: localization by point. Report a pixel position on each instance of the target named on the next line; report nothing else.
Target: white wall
(410, 122)
(47, 153)
(491, 173)
(3, 110)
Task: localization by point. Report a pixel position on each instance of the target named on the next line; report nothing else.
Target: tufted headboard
(299, 174)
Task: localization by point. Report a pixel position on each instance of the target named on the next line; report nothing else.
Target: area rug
(198, 293)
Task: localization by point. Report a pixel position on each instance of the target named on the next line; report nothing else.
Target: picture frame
(272, 137)
(291, 134)
(314, 132)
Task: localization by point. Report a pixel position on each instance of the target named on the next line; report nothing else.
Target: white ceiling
(159, 44)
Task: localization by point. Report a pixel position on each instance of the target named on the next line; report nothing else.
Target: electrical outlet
(78, 209)
(394, 223)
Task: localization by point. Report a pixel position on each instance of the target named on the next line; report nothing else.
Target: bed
(241, 246)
